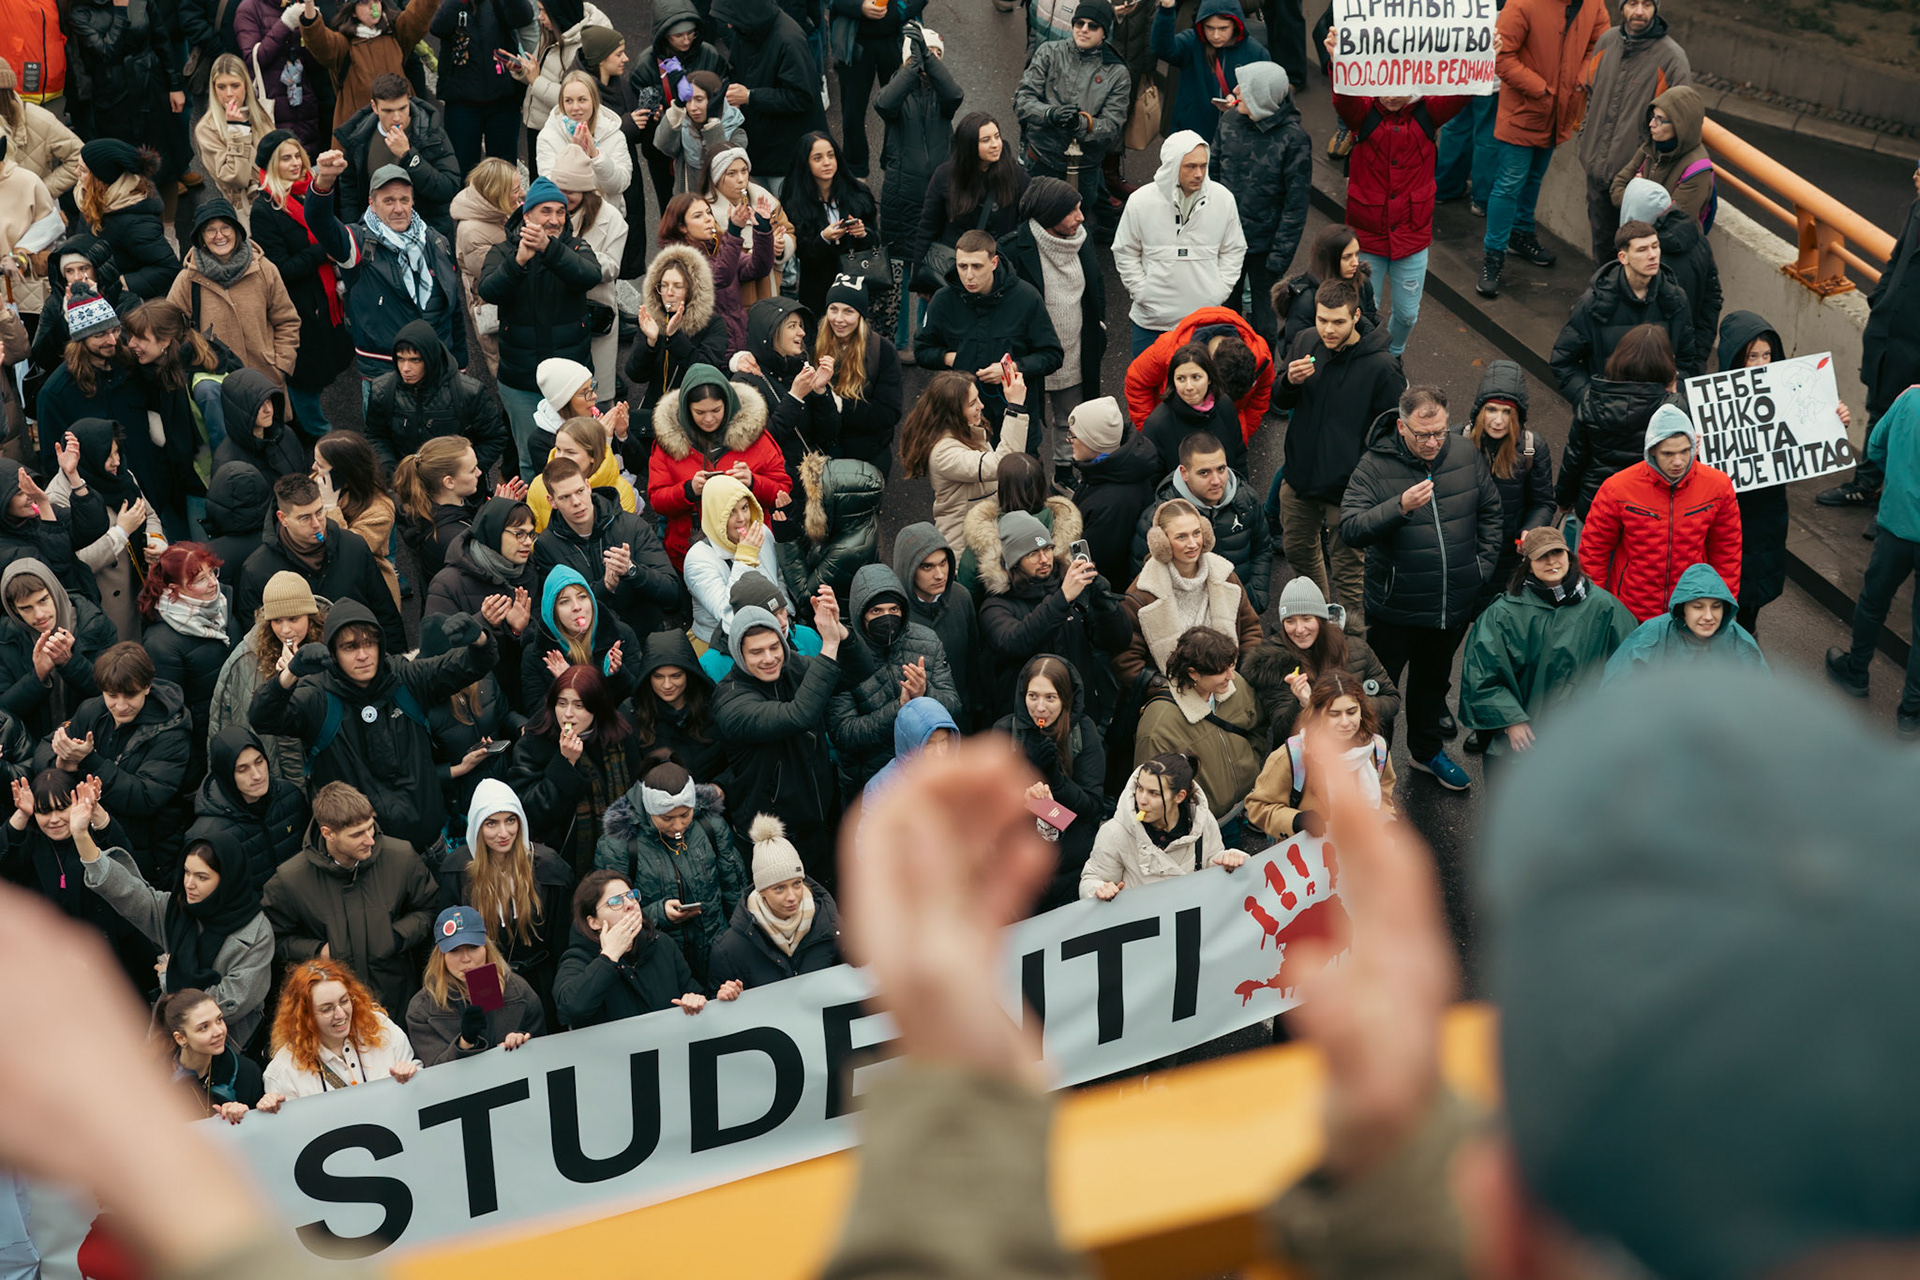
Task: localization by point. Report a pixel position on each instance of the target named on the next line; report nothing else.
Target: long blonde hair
(259, 119)
(439, 981)
(849, 358)
(276, 186)
(501, 887)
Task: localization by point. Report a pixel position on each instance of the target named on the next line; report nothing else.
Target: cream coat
(612, 168)
(375, 1062)
(962, 476)
(227, 156)
(254, 317)
(543, 92)
(478, 226)
(44, 146)
(1123, 855)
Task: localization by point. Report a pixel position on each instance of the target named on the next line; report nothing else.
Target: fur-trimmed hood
(1159, 618)
(746, 416)
(699, 277)
(981, 531)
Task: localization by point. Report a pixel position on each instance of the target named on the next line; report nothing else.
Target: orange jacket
(1147, 375)
(1642, 533)
(1542, 69)
(34, 46)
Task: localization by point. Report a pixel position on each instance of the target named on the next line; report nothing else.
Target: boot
(1489, 285)
(1528, 246)
(1116, 181)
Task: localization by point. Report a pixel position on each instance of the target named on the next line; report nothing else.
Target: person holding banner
(1049, 725)
(330, 1033)
(1164, 829)
(455, 1014)
(1291, 795)
(788, 925)
(617, 964)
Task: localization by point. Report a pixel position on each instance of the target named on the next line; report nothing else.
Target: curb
(1723, 102)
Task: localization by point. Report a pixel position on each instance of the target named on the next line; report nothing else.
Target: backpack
(1297, 755)
(336, 712)
(1711, 208)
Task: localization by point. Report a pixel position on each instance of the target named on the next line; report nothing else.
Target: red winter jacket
(1390, 174)
(1147, 375)
(675, 461)
(1642, 533)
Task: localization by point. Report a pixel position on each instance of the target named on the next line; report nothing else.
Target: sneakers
(1840, 671)
(1445, 771)
(1850, 494)
(1489, 284)
(1479, 210)
(1908, 727)
(1528, 246)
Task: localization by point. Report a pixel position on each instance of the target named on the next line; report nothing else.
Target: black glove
(1042, 753)
(461, 629)
(1063, 117)
(311, 659)
(473, 1025)
(1309, 821)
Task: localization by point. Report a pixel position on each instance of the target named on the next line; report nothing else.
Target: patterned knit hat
(88, 313)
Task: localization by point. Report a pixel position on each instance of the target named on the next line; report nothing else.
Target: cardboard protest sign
(1393, 48)
(1771, 424)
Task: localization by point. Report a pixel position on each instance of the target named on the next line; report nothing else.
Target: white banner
(1395, 48)
(590, 1123)
(1771, 424)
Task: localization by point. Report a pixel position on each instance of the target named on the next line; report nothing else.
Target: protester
(1672, 153)
(487, 563)
(1182, 585)
(1634, 290)
(754, 590)
(1265, 159)
(1650, 523)
(866, 382)
(834, 216)
(710, 426)
(1334, 255)
(301, 538)
(1239, 353)
(1208, 716)
(288, 615)
(1164, 829)
(1050, 605)
(425, 397)
(916, 108)
(1289, 799)
(677, 39)
(1684, 250)
(1207, 59)
(603, 226)
(445, 1022)
(267, 34)
(802, 419)
(1891, 447)
(788, 925)
(839, 527)
(978, 188)
(42, 858)
(1179, 246)
(223, 1082)
(1308, 643)
(259, 427)
(1052, 731)
(1117, 470)
(557, 48)
(397, 129)
(481, 94)
(578, 436)
(438, 487)
(945, 437)
(680, 326)
(888, 661)
(735, 538)
(1194, 403)
(928, 568)
(673, 705)
(704, 125)
(1520, 462)
(354, 490)
(130, 64)
(730, 186)
(576, 757)
(617, 964)
(1610, 418)
(984, 319)
(1698, 625)
(189, 628)
(1051, 251)
(360, 43)
(573, 630)
(1633, 64)
(117, 197)
(1073, 101)
(331, 1032)
(279, 230)
(254, 820)
(579, 121)
(48, 643)
(775, 82)
(480, 211)
(1020, 485)
(233, 126)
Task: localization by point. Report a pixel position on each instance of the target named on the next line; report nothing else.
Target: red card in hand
(483, 988)
(1051, 812)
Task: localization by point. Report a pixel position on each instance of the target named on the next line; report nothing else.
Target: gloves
(1311, 822)
(462, 629)
(1042, 753)
(290, 16)
(311, 660)
(473, 1025)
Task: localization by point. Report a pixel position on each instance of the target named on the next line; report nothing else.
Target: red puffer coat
(1390, 174)
(675, 459)
(1642, 533)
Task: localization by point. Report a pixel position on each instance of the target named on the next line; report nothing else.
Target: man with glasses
(1425, 509)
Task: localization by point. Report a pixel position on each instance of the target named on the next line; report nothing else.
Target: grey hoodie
(745, 620)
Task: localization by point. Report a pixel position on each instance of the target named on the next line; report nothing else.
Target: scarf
(495, 567)
(1065, 282)
(296, 208)
(785, 934)
(1190, 597)
(1569, 590)
(204, 619)
(224, 273)
(361, 31)
(1360, 760)
(197, 930)
(608, 779)
(411, 245)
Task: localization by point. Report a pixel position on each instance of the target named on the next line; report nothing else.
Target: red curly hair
(293, 1025)
(177, 566)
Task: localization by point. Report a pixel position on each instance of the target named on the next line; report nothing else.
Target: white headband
(660, 803)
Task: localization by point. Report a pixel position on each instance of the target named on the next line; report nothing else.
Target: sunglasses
(620, 899)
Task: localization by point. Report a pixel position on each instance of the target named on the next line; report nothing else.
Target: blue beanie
(542, 191)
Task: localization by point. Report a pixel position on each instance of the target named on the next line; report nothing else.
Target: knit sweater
(1062, 285)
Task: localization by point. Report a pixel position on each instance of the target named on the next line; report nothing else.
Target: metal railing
(1828, 232)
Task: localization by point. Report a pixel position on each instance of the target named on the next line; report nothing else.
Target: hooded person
(708, 425)
(1700, 624)
(361, 710)
(887, 661)
(231, 290)
(1679, 161)
(1684, 250)
(1262, 154)
(1632, 64)
(465, 726)
(758, 590)
(243, 808)
(914, 731)
(927, 567)
(1179, 246)
(673, 704)
(401, 415)
(1163, 828)
(788, 925)
(688, 329)
(36, 604)
(1695, 520)
(574, 628)
(271, 448)
(772, 61)
(1520, 461)
(113, 494)
(778, 349)
(239, 498)
(735, 541)
(1206, 62)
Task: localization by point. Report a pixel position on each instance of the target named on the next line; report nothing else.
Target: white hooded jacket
(1173, 266)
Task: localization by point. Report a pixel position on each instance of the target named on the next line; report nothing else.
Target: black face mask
(885, 629)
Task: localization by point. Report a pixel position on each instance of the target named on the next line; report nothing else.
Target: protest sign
(593, 1122)
(1394, 48)
(1771, 424)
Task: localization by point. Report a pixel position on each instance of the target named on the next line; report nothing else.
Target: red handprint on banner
(1323, 917)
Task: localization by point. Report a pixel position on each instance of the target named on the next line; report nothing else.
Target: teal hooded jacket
(1666, 638)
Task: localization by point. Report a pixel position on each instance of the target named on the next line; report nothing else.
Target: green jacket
(707, 871)
(1524, 655)
(1666, 639)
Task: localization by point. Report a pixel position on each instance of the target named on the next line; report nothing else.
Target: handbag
(1144, 124)
(930, 274)
(198, 68)
(871, 263)
(600, 318)
(260, 84)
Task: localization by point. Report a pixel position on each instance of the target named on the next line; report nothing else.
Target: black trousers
(1428, 651)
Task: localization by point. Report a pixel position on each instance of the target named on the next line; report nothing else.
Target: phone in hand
(1226, 104)
(483, 988)
(498, 745)
(1006, 370)
(1079, 550)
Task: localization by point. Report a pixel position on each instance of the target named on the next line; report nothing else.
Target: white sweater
(360, 1066)
(613, 167)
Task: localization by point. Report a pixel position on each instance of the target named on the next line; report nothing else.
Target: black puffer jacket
(1334, 408)
(840, 528)
(771, 58)
(146, 259)
(1424, 568)
(1526, 496)
(430, 163)
(239, 503)
(1763, 512)
(266, 833)
(590, 989)
(952, 617)
(1079, 783)
(1033, 616)
(860, 717)
(445, 402)
(1112, 494)
(777, 736)
(917, 107)
(745, 953)
(142, 769)
(273, 454)
(1240, 534)
(326, 346)
(191, 663)
(1268, 165)
(1609, 434)
(1684, 251)
(543, 305)
(1603, 314)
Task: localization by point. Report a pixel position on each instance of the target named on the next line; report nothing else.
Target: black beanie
(1098, 10)
(851, 290)
(110, 159)
(263, 154)
(1048, 200)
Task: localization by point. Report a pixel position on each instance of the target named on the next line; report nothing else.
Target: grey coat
(1062, 74)
(1628, 74)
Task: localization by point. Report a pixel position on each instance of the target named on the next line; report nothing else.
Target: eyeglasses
(1087, 24)
(1429, 437)
(524, 535)
(619, 899)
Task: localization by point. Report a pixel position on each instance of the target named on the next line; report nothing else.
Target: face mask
(885, 629)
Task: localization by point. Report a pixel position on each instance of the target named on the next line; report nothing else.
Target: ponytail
(416, 481)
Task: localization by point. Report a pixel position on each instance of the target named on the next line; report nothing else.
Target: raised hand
(493, 610)
(328, 167)
(23, 798)
(649, 326)
(131, 516)
(520, 615)
(556, 663)
(67, 454)
(512, 488)
(614, 658)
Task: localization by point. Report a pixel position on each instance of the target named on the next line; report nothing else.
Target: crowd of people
(661, 649)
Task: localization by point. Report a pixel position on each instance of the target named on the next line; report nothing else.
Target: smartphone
(1006, 370)
(483, 988)
(498, 745)
(1079, 550)
(1226, 104)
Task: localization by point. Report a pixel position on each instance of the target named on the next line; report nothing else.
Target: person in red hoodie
(1390, 192)
(1147, 375)
(1648, 523)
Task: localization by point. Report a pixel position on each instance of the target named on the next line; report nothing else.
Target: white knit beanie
(560, 379)
(774, 858)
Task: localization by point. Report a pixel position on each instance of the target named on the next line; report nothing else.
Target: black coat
(1079, 786)
(52, 542)
(1334, 408)
(192, 663)
(50, 338)
(239, 503)
(1603, 314)
(265, 839)
(543, 304)
(551, 790)
(819, 259)
(917, 107)
(1173, 420)
(460, 587)
(493, 717)
(33, 703)
(1890, 344)
(430, 539)
(704, 753)
(430, 163)
(1010, 318)
(1018, 248)
(445, 402)
(1424, 569)
(746, 954)
(589, 989)
(1763, 512)
(142, 771)
(1268, 165)
(1300, 311)
(121, 64)
(1113, 494)
(347, 571)
(771, 58)
(146, 260)
(1685, 251)
(645, 596)
(1033, 616)
(867, 425)
(953, 617)
(535, 679)
(469, 31)
(326, 347)
(937, 225)
(1526, 496)
(1240, 535)
(54, 871)
(1609, 434)
(275, 454)
(777, 736)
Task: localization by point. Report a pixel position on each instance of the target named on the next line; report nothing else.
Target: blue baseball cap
(459, 927)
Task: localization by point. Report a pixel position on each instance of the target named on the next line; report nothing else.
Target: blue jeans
(1142, 338)
(1516, 190)
(520, 406)
(1466, 149)
(307, 412)
(1405, 279)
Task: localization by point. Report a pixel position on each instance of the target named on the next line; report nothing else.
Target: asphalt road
(985, 48)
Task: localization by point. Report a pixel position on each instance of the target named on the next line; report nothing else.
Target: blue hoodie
(1895, 445)
(1667, 639)
(1188, 50)
(917, 722)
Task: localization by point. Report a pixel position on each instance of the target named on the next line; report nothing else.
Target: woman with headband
(1164, 829)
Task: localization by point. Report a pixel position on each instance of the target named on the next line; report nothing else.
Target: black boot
(1489, 286)
(1528, 246)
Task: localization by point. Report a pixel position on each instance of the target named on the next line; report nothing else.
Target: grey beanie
(745, 620)
(1301, 598)
(1021, 534)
